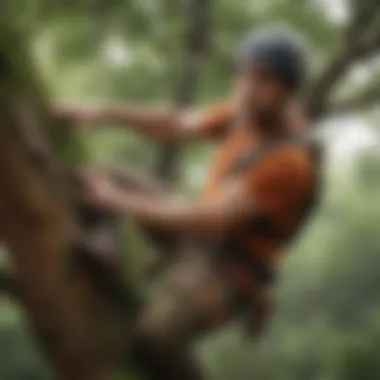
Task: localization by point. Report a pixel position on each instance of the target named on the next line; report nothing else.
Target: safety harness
(255, 273)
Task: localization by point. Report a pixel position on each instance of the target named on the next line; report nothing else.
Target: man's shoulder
(294, 158)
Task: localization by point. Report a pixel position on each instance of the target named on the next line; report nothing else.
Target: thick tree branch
(368, 47)
(39, 229)
(357, 46)
(363, 12)
(35, 226)
(9, 285)
(364, 99)
(196, 46)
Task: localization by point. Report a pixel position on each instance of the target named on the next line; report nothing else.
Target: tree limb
(196, 45)
(355, 47)
(9, 284)
(39, 228)
(366, 98)
(35, 226)
(363, 12)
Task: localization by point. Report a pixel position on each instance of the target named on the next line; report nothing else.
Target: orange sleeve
(217, 120)
(280, 179)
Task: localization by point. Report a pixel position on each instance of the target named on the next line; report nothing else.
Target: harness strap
(259, 273)
(233, 252)
(261, 224)
(230, 248)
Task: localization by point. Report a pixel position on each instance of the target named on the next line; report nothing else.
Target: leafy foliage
(328, 321)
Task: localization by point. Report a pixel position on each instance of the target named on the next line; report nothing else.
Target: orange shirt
(281, 182)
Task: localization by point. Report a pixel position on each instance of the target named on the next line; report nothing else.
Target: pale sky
(335, 9)
(348, 136)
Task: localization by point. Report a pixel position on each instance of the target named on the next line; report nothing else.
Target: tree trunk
(78, 327)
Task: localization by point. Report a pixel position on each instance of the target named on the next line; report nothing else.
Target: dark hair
(276, 50)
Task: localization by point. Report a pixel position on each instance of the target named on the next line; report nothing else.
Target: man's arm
(168, 213)
(281, 180)
(160, 124)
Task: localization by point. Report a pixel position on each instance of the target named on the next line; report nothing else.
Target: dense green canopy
(328, 322)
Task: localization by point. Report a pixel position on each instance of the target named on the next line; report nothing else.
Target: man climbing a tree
(261, 187)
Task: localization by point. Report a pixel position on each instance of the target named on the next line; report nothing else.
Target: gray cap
(276, 50)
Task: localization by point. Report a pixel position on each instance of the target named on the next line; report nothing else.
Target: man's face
(260, 94)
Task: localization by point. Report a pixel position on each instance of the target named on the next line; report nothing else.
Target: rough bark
(76, 325)
(36, 228)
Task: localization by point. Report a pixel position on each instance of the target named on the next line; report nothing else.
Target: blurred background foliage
(327, 326)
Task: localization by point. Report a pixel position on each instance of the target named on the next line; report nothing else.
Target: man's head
(271, 71)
